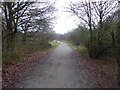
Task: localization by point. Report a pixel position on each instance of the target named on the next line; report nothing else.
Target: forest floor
(60, 68)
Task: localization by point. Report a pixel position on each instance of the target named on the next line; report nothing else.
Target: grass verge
(84, 54)
(81, 49)
(54, 43)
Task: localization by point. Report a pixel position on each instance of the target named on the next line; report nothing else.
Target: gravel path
(58, 70)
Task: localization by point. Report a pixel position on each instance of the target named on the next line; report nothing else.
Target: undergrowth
(22, 50)
(81, 49)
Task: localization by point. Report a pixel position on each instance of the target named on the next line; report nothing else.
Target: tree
(43, 17)
(83, 10)
(12, 12)
(78, 36)
(102, 10)
(93, 13)
(21, 17)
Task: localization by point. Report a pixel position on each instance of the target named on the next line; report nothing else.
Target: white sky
(64, 21)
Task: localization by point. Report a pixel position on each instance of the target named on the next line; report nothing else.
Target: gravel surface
(59, 70)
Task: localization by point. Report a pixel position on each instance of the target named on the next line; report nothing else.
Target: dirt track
(58, 70)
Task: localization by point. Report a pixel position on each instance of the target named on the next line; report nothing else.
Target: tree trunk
(91, 53)
(24, 38)
(91, 45)
(10, 37)
(113, 39)
(100, 37)
(10, 42)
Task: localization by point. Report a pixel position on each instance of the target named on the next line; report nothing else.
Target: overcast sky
(64, 20)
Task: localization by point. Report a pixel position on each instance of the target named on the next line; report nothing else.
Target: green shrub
(82, 49)
(10, 56)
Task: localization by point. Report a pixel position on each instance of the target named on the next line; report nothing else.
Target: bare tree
(93, 13)
(102, 10)
(12, 12)
(83, 10)
(42, 18)
(23, 14)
